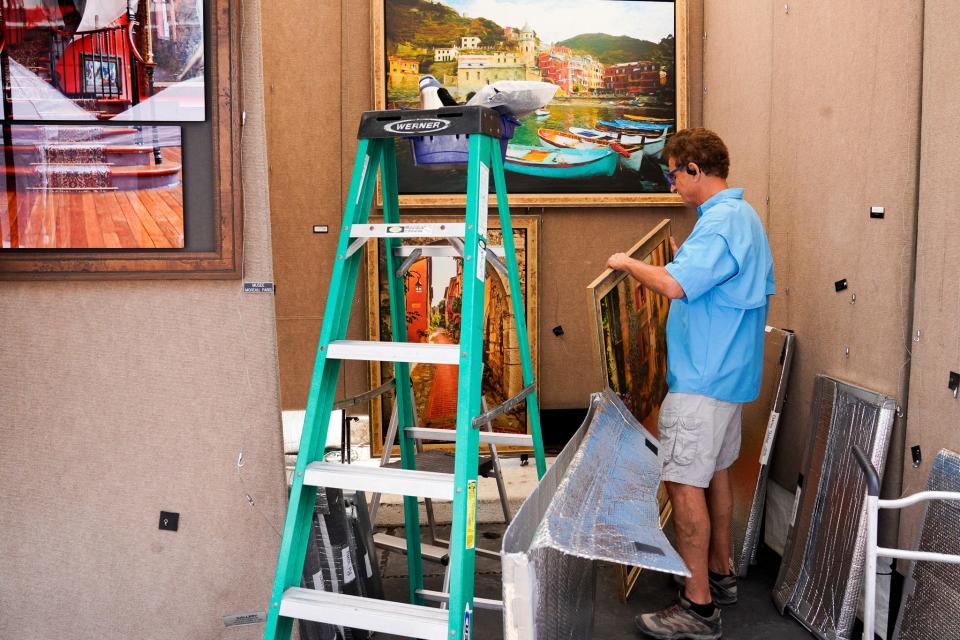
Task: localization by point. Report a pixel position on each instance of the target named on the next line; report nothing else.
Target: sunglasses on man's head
(671, 175)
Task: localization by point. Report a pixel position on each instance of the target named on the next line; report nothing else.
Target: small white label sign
(796, 506)
(481, 259)
(484, 200)
(768, 440)
(349, 575)
(363, 175)
(318, 581)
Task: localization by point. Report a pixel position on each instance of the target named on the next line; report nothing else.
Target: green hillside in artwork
(426, 24)
(611, 49)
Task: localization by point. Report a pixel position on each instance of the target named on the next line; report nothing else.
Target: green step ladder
(377, 151)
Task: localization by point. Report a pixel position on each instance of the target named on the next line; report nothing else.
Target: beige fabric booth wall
(934, 414)
(312, 126)
(822, 104)
(121, 399)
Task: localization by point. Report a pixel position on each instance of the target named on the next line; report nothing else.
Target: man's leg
(720, 505)
(688, 456)
(691, 521)
(723, 582)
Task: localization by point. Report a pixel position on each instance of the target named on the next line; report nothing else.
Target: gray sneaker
(724, 590)
(680, 622)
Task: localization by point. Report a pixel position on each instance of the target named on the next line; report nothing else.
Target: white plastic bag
(516, 97)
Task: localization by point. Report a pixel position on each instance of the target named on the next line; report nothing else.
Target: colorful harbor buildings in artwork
(525, 58)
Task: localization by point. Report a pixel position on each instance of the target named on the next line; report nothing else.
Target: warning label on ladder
(484, 204)
(481, 259)
(471, 538)
(467, 614)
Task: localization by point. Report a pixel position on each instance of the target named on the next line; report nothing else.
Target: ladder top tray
(448, 121)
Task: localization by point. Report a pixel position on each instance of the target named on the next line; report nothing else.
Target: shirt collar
(719, 197)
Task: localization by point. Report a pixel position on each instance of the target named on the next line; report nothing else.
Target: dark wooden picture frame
(225, 207)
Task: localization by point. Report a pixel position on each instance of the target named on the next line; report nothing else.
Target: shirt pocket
(679, 438)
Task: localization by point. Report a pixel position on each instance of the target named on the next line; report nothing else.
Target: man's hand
(656, 278)
(619, 261)
(674, 247)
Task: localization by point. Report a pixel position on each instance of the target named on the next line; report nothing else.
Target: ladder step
(426, 484)
(478, 603)
(439, 251)
(445, 230)
(394, 351)
(450, 435)
(430, 552)
(406, 620)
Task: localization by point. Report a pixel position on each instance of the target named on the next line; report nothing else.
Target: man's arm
(655, 278)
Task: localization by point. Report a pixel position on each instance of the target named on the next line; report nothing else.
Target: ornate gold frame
(531, 224)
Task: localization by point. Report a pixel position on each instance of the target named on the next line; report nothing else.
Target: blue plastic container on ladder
(442, 152)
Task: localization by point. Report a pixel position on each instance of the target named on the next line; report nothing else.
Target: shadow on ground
(753, 618)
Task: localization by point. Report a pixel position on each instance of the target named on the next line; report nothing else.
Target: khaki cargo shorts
(698, 436)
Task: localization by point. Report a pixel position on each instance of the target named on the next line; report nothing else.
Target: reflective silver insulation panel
(930, 609)
(748, 476)
(597, 502)
(821, 576)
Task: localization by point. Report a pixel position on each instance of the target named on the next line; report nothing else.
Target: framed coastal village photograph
(620, 69)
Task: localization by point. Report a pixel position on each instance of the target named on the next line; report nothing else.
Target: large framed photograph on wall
(120, 128)
(621, 71)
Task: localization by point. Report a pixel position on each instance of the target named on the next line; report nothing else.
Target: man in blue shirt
(719, 282)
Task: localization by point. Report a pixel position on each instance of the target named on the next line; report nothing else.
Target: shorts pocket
(679, 438)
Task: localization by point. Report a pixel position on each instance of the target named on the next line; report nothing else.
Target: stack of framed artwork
(630, 345)
(119, 138)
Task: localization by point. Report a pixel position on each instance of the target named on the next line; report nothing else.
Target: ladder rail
(401, 370)
(376, 152)
(302, 500)
(495, 457)
(519, 313)
(463, 530)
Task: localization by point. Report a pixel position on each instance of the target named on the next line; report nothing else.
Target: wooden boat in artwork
(640, 118)
(567, 140)
(547, 162)
(627, 126)
(606, 137)
(652, 144)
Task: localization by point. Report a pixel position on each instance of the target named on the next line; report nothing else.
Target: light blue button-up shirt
(715, 333)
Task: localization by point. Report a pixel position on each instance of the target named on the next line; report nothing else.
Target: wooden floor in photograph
(111, 219)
